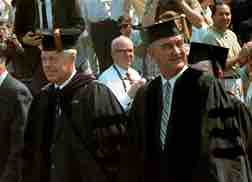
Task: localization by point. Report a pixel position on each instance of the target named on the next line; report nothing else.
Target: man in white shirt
(122, 80)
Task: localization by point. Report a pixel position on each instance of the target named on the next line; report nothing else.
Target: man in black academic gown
(74, 130)
(183, 126)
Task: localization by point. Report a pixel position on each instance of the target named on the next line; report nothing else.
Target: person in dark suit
(15, 100)
(28, 19)
(183, 126)
(74, 125)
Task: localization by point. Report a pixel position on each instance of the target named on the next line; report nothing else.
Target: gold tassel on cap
(57, 39)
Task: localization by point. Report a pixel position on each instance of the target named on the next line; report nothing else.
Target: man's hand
(135, 86)
(245, 54)
(32, 39)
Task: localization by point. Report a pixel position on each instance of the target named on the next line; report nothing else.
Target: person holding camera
(37, 14)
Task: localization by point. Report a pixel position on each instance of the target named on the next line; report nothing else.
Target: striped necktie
(129, 77)
(165, 112)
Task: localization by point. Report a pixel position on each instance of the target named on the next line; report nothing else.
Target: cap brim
(201, 52)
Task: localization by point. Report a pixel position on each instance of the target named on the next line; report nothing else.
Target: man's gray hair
(118, 40)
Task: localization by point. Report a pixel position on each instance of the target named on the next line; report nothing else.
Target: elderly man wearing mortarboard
(71, 121)
(41, 14)
(183, 126)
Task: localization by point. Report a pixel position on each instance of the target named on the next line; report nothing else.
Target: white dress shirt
(112, 80)
(49, 15)
(172, 83)
(61, 86)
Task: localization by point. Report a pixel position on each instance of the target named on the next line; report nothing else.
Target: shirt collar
(3, 76)
(174, 78)
(219, 32)
(66, 82)
(121, 70)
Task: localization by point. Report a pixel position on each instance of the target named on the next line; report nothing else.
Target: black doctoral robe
(79, 147)
(207, 134)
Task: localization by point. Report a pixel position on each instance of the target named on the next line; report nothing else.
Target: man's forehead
(50, 53)
(124, 44)
(169, 39)
(223, 7)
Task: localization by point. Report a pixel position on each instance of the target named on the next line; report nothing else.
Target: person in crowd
(246, 74)
(75, 125)
(183, 126)
(6, 11)
(241, 18)
(84, 57)
(15, 100)
(198, 33)
(134, 33)
(13, 12)
(219, 33)
(37, 14)
(120, 77)
(191, 8)
(12, 43)
(248, 93)
(103, 27)
(125, 25)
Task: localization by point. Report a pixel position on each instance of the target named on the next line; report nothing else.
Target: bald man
(120, 77)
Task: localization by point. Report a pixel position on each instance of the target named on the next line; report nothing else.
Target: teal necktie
(165, 112)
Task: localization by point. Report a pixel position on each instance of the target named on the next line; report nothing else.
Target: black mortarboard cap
(200, 52)
(215, 54)
(162, 29)
(67, 39)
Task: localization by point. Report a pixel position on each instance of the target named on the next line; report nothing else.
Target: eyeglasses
(123, 50)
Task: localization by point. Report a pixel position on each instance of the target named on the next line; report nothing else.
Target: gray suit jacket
(15, 100)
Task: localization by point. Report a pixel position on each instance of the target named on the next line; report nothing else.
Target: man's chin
(51, 79)
(175, 65)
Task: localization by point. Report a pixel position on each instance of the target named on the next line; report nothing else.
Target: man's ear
(70, 53)
(152, 52)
